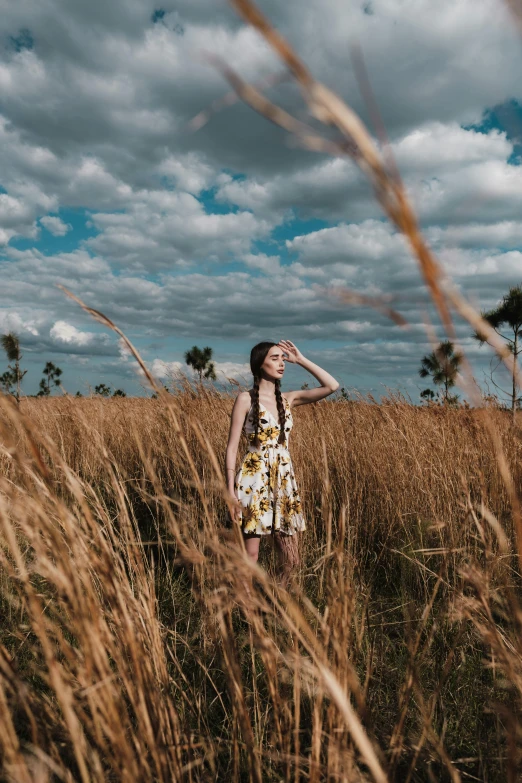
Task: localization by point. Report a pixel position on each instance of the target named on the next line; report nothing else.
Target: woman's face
(274, 365)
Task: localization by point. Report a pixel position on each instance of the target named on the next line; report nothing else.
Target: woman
(265, 488)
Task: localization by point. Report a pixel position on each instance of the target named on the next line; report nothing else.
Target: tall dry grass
(134, 646)
(139, 642)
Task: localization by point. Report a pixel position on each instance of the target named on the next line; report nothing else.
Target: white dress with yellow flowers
(265, 483)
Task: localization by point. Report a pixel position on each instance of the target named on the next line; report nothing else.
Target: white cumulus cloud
(67, 333)
(11, 321)
(55, 225)
(240, 372)
(162, 369)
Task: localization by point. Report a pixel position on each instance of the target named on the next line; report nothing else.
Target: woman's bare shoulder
(243, 401)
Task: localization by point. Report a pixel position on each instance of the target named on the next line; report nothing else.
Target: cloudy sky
(230, 235)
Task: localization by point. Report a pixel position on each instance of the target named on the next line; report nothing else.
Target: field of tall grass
(138, 643)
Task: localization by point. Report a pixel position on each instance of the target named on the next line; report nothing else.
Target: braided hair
(257, 357)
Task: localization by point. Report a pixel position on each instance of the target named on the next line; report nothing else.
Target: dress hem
(269, 532)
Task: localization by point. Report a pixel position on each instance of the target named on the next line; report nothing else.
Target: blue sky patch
(22, 40)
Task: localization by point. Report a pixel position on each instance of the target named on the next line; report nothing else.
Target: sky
(232, 234)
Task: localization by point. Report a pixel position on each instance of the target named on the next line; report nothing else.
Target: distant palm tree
(508, 313)
(11, 345)
(442, 365)
(200, 360)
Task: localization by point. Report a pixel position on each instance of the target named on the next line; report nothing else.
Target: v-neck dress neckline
(285, 403)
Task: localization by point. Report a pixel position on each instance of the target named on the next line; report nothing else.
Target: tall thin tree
(51, 375)
(507, 316)
(200, 361)
(442, 365)
(11, 345)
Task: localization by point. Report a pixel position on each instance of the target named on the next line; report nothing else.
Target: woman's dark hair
(257, 357)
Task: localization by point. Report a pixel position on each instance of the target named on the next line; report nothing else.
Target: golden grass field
(133, 648)
(139, 643)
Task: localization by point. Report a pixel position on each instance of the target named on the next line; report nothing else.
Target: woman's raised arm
(303, 396)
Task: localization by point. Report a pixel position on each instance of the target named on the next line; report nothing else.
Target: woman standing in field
(265, 488)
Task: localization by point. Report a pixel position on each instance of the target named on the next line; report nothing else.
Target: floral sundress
(265, 484)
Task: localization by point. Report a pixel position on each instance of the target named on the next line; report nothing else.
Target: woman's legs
(252, 546)
(252, 549)
(287, 554)
(288, 557)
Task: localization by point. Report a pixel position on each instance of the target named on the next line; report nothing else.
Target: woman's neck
(267, 387)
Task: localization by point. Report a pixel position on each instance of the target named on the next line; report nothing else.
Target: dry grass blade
(107, 322)
(232, 97)
(376, 302)
(260, 103)
(353, 724)
(515, 7)
(253, 16)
